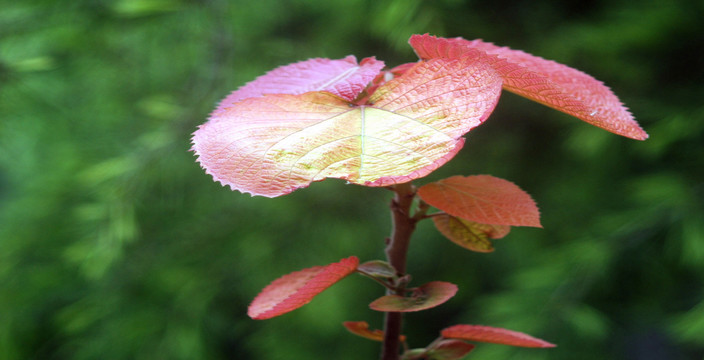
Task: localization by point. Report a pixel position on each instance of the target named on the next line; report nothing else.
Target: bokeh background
(114, 244)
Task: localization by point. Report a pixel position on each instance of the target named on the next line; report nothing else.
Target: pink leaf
(344, 78)
(493, 335)
(468, 234)
(547, 82)
(424, 297)
(484, 199)
(382, 79)
(296, 289)
(413, 124)
(361, 328)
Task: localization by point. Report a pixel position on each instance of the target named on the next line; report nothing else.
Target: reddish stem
(396, 253)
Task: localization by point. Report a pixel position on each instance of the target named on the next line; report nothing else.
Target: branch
(396, 253)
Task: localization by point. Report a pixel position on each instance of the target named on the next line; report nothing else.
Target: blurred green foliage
(114, 244)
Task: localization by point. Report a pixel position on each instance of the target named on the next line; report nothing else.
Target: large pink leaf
(344, 78)
(296, 289)
(382, 78)
(482, 198)
(547, 82)
(424, 297)
(413, 124)
(493, 335)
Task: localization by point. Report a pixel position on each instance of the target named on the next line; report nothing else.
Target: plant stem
(396, 253)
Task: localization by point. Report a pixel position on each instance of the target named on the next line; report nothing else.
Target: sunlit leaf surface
(547, 82)
(296, 289)
(427, 296)
(413, 124)
(494, 335)
(482, 198)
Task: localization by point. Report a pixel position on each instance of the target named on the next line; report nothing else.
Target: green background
(114, 244)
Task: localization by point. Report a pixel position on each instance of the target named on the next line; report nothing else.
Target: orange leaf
(468, 234)
(493, 335)
(361, 328)
(296, 289)
(483, 199)
(547, 82)
(426, 296)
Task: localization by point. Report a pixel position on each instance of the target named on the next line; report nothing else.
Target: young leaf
(378, 269)
(493, 335)
(449, 350)
(296, 289)
(547, 82)
(414, 354)
(468, 234)
(427, 296)
(484, 199)
(413, 124)
(344, 78)
(361, 328)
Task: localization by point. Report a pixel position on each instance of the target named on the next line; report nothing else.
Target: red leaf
(483, 199)
(493, 335)
(449, 350)
(547, 82)
(276, 144)
(343, 77)
(427, 296)
(361, 328)
(468, 234)
(296, 289)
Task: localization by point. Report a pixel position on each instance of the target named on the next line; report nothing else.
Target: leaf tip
(494, 335)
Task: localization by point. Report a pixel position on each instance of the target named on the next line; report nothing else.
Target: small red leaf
(493, 335)
(483, 199)
(296, 289)
(468, 234)
(547, 82)
(344, 78)
(424, 297)
(449, 350)
(361, 328)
